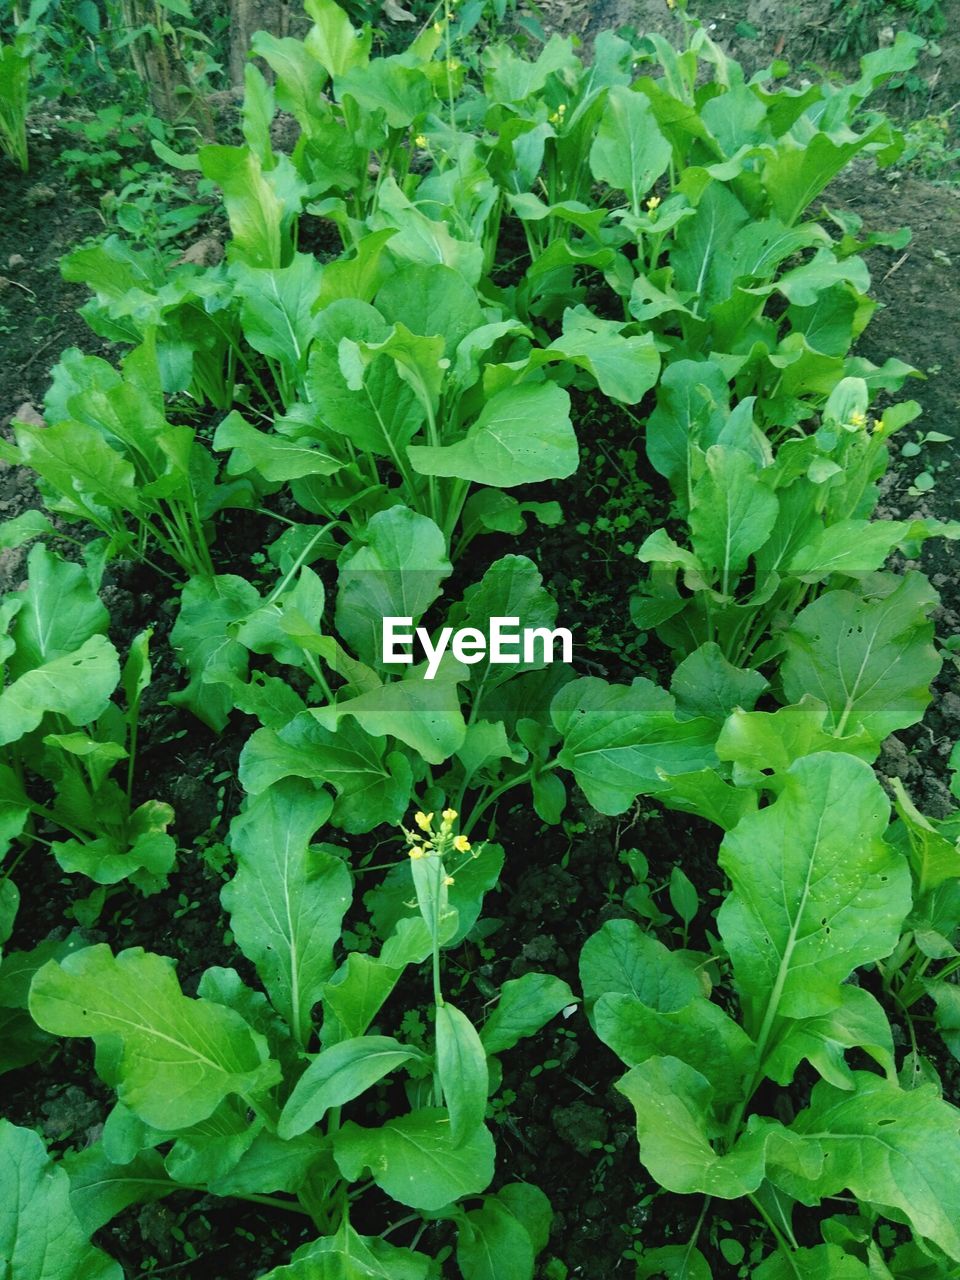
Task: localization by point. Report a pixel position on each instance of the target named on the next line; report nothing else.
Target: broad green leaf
(287, 899)
(795, 172)
(20, 529)
(850, 547)
(675, 1262)
(622, 958)
(225, 986)
(699, 1034)
(706, 684)
(691, 403)
(761, 740)
(492, 1244)
(273, 456)
(870, 658)
(934, 856)
(858, 1022)
(78, 463)
(462, 1070)
(397, 573)
(77, 686)
(511, 78)
(704, 240)
(41, 1237)
(349, 1256)
(822, 1262)
(523, 435)
(898, 1150)
(356, 993)
(486, 744)
(338, 1075)
(816, 890)
(253, 207)
(625, 367)
(511, 588)
(431, 299)
(372, 787)
(415, 1160)
(332, 40)
(422, 239)
(401, 92)
(732, 513)
(425, 714)
(210, 1151)
(259, 106)
(100, 1189)
(357, 277)
(382, 413)
(59, 612)
(300, 82)
(705, 793)
(202, 641)
(270, 1164)
(673, 1105)
(179, 1057)
(526, 1004)
(278, 309)
(629, 152)
(108, 859)
(619, 739)
(418, 361)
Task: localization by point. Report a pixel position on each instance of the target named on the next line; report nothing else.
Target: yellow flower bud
(858, 419)
(423, 820)
(449, 815)
(448, 880)
(653, 203)
(461, 844)
(417, 852)
(878, 426)
(420, 140)
(438, 28)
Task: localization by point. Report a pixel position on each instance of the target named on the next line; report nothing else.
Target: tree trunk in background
(248, 16)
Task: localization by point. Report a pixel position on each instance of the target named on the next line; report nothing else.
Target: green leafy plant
(15, 60)
(110, 457)
(387, 350)
(249, 1105)
(768, 531)
(816, 894)
(62, 731)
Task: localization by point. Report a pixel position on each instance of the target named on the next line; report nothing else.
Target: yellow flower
(653, 203)
(878, 425)
(453, 64)
(438, 28)
(449, 815)
(423, 820)
(420, 140)
(858, 419)
(671, 4)
(562, 109)
(448, 881)
(461, 844)
(417, 852)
